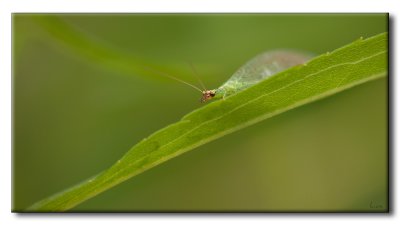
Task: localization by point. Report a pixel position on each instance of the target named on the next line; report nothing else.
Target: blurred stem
(95, 50)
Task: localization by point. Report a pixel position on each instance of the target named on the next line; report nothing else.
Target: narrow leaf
(356, 63)
(101, 53)
(91, 48)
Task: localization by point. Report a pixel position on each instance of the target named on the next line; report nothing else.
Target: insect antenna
(197, 76)
(174, 78)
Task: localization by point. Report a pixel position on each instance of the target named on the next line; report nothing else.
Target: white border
(8, 7)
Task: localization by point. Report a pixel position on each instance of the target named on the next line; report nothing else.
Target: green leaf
(102, 53)
(91, 48)
(356, 63)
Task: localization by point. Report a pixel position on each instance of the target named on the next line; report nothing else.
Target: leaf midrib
(249, 102)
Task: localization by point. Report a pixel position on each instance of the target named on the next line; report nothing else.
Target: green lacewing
(257, 69)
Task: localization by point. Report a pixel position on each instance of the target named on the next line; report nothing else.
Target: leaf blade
(359, 62)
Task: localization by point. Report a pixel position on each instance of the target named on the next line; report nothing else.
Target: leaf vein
(266, 94)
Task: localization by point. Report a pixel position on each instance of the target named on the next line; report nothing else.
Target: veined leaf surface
(356, 63)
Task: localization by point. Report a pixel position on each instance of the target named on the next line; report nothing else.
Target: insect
(257, 69)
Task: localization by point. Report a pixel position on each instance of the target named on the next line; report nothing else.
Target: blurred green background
(75, 115)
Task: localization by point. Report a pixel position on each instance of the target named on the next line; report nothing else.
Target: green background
(74, 117)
